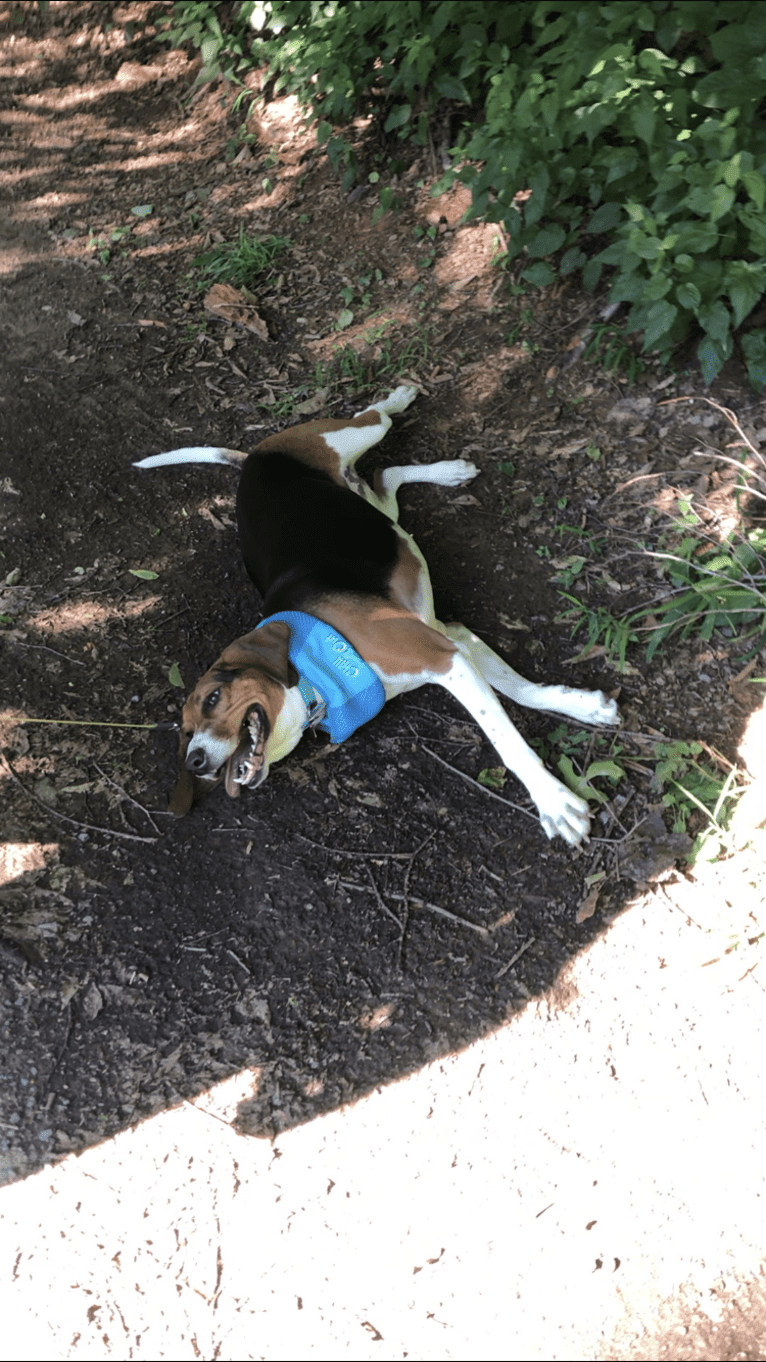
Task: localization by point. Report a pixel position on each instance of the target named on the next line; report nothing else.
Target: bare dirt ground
(511, 1095)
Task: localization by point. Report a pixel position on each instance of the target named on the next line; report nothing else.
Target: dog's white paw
(601, 709)
(586, 706)
(562, 813)
(460, 471)
(400, 398)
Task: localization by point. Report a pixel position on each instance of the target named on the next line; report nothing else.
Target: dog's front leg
(560, 810)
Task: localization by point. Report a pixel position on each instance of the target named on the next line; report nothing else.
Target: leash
(168, 727)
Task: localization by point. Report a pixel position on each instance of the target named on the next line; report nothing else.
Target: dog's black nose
(196, 761)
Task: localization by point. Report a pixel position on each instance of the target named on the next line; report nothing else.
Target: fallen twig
(379, 900)
(43, 648)
(515, 957)
(368, 855)
(725, 412)
(129, 798)
(73, 822)
(483, 788)
(429, 907)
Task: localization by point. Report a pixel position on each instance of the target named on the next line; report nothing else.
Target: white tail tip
(193, 454)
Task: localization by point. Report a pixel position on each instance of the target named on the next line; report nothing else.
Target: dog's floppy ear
(182, 797)
(265, 648)
(188, 788)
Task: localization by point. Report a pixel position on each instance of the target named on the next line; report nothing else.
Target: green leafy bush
(635, 129)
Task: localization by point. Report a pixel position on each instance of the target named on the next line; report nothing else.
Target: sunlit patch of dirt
(85, 616)
(20, 859)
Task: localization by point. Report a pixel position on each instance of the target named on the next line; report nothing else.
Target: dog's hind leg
(446, 473)
(366, 429)
(561, 812)
(586, 706)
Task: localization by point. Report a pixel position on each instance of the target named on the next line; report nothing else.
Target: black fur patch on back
(302, 534)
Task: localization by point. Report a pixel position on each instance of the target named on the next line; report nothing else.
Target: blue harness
(340, 690)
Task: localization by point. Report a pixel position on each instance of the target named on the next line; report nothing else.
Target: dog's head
(230, 714)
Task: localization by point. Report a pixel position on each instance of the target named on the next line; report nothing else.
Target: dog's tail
(194, 454)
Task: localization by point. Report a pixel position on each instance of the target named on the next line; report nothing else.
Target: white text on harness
(340, 650)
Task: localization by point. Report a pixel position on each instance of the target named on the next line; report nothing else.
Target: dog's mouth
(246, 765)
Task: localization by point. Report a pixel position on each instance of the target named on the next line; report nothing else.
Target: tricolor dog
(349, 620)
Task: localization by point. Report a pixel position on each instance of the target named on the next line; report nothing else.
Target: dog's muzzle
(246, 765)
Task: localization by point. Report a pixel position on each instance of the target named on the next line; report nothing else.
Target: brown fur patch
(406, 576)
(305, 442)
(387, 635)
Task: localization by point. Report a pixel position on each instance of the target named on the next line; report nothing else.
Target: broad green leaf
(643, 117)
(714, 318)
(398, 117)
(579, 784)
(711, 358)
(145, 574)
(721, 201)
(755, 186)
(547, 240)
(450, 88)
(754, 350)
(591, 274)
(689, 296)
(174, 676)
(659, 320)
(571, 259)
(607, 768)
(539, 274)
(493, 777)
(745, 284)
(605, 218)
(657, 287)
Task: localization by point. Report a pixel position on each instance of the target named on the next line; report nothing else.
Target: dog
(349, 620)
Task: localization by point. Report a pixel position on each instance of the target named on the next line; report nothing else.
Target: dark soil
(296, 930)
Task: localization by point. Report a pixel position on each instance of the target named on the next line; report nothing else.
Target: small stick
(405, 917)
(368, 855)
(73, 822)
(475, 783)
(444, 912)
(726, 412)
(42, 648)
(614, 817)
(67, 1038)
(429, 907)
(516, 957)
(241, 963)
(380, 902)
(129, 798)
(167, 619)
(409, 857)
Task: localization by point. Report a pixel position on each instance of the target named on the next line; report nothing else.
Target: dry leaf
(588, 906)
(214, 521)
(314, 403)
(232, 305)
(92, 1002)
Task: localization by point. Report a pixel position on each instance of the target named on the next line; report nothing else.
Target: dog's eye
(211, 700)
